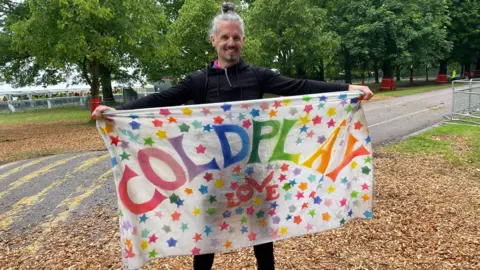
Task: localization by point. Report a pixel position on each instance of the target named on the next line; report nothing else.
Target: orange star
(272, 113)
(303, 186)
(297, 220)
(128, 242)
(218, 120)
(326, 216)
(228, 244)
(172, 120)
(188, 191)
(262, 222)
(365, 197)
(176, 216)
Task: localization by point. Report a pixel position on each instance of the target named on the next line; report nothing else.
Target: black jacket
(238, 82)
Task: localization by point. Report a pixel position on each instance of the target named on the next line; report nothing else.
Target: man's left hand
(368, 94)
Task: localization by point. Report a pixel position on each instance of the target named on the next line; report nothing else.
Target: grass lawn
(46, 115)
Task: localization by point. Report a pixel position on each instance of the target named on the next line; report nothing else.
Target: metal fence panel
(466, 101)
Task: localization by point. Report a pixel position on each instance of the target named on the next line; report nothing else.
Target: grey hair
(227, 14)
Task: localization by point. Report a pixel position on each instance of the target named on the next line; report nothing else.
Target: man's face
(228, 41)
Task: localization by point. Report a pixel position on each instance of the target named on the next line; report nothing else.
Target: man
(230, 79)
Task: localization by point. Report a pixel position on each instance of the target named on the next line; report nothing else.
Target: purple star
(344, 102)
(297, 171)
(269, 167)
(127, 225)
(342, 142)
(214, 242)
(321, 139)
(226, 214)
(276, 220)
(123, 144)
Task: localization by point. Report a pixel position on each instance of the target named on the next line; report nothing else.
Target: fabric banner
(216, 177)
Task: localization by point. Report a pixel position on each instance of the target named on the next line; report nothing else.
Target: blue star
(134, 125)
(368, 139)
(241, 117)
(244, 229)
(203, 189)
(208, 230)
(354, 101)
(368, 214)
(274, 205)
(179, 203)
(255, 113)
(143, 218)
(321, 179)
(317, 200)
(114, 162)
(133, 116)
(293, 182)
(350, 213)
(323, 98)
(226, 107)
(249, 170)
(343, 96)
(207, 128)
(239, 211)
(303, 129)
(289, 217)
(172, 242)
(226, 214)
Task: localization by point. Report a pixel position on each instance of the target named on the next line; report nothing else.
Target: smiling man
(228, 79)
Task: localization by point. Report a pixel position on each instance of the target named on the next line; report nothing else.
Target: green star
(124, 156)
(184, 127)
(368, 159)
(342, 222)
(145, 233)
(311, 212)
(173, 198)
(320, 106)
(243, 220)
(277, 166)
(211, 211)
(197, 124)
(366, 170)
(148, 141)
(120, 213)
(311, 178)
(299, 141)
(260, 214)
(354, 194)
(344, 180)
(152, 254)
(286, 186)
(184, 227)
(288, 196)
(349, 108)
(212, 199)
(307, 98)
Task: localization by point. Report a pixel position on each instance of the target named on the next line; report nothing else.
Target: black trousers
(263, 253)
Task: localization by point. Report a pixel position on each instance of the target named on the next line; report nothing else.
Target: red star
(365, 186)
(358, 125)
(284, 167)
(176, 216)
(218, 120)
(246, 124)
(195, 251)
(297, 220)
(234, 185)
(277, 104)
(264, 106)
(172, 120)
(201, 149)
(252, 236)
(317, 120)
(135, 231)
(129, 252)
(205, 111)
(224, 226)
(152, 239)
(282, 177)
(304, 205)
(208, 176)
(159, 214)
(331, 123)
(310, 134)
(308, 108)
(197, 237)
(114, 140)
(312, 194)
(237, 169)
(250, 210)
(245, 106)
(165, 112)
(299, 195)
(271, 212)
(343, 202)
(157, 123)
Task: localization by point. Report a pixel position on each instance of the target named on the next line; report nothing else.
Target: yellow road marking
(31, 163)
(36, 173)
(71, 203)
(7, 219)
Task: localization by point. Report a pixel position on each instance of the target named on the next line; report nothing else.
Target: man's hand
(98, 113)
(368, 93)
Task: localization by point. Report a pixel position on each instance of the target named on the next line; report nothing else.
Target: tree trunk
(376, 73)
(426, 72)
(443, 67)
(95, 75)
(301, 74)
(398, 70)
(411, 75)
(387, 69)
(106, 81)
(476, 74)
(462, 70)
(321, 74)
(348, 67)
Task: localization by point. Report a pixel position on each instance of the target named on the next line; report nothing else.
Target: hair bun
(228, 7)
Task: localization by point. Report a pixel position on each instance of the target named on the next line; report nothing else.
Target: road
(46, 191)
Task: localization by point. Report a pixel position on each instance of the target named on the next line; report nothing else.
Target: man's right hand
(98, 112)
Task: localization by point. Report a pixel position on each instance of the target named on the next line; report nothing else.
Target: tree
(97, 38)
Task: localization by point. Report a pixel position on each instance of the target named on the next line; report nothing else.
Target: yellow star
(286, 102)
(365, 197)
(187, 111)
(283, 230)
(303, 186)
(196, 211)
(257, 201)
(144, 244)
(272, 113)
(262, 222)
(331, 189)
(128, 242)
(189, 191)
(161, 134)
(219, 183)
(228, 244)
(304, 119)
(104, 131)
(354, 165)
(331, 111)
(326, 216)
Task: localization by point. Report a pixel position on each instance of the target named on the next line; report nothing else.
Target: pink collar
(215, 65)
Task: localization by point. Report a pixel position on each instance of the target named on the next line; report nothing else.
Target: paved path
(46, 191)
